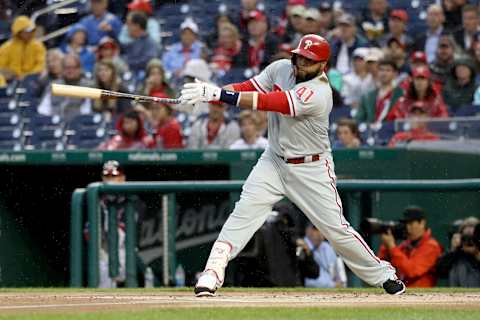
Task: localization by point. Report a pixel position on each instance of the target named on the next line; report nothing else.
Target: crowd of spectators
(379, 71)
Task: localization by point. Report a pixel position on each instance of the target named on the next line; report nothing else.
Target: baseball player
(297, 164)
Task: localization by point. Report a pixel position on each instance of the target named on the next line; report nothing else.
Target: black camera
(468, 240)
(376, 226)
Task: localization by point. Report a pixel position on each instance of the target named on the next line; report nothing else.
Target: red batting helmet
(313, 47)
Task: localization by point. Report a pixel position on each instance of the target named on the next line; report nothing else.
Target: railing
(51, 8)
(94, 190)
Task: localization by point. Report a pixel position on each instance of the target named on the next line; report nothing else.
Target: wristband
(230, 97)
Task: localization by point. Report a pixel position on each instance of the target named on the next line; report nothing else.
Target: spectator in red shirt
(290, 26)
(420, 90)
(228, 48)
(418, 131)
(414, 258)
(168, 132)
(131, 134)
(155, 80)
(419, 59)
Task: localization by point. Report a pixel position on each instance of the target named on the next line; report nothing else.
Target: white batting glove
(200, 91)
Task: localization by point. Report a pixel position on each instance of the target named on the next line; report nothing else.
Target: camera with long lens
(371, 226)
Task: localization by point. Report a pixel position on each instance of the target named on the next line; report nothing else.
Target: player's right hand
(200, 91)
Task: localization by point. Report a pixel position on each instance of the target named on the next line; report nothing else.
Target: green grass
(265, 313)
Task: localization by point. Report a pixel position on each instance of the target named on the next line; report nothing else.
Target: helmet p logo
(308, 44)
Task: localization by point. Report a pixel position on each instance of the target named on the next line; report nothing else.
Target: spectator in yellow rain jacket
(22, 55)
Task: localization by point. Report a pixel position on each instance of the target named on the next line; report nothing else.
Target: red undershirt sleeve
(274, 101)
(244, 86)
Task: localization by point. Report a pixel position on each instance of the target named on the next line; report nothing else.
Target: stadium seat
(9, 119)
(46, 138)
(3, 92)
(467, 111)
(7, 105)
(85, 144)
(383, 133)
(10, 138)
(234, 75)
(339, 113)
(41, 121)
(28, 108)
(86, 130)
(86, 120)
(11, 145)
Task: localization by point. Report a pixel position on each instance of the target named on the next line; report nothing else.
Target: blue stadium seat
(10, 138)
(234, 75)
(86, 120)
(7, 105)
(443, 128)
(8, 133)
(41, 121)
(28, 108)
(468, 129)
(47, 138)
(467, 111)
(86, 144)
(383, 134)
(86, 130)
(340, 112)
(9, 119)
(11, 145)
(30, 85)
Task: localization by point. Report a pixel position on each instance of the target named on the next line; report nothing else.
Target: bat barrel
(75, 91)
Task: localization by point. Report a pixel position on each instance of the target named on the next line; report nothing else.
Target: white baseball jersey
(305, 131)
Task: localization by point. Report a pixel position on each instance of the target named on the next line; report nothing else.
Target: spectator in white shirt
(359, 80)
(332, 268)
(428, 41)
(250, 133)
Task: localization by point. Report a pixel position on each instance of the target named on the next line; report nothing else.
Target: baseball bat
(95, 93)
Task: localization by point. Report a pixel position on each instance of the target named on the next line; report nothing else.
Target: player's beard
(304, 76)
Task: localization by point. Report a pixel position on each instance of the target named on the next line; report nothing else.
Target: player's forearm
(229, 87)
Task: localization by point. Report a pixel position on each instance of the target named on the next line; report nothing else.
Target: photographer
(461, 264)
(414, 258)
(276, 257)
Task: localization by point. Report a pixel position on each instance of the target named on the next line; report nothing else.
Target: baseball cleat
(206, 285)
(204, 292)
(395, 287)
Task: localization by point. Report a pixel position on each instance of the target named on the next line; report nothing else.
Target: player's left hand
(200, 91)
